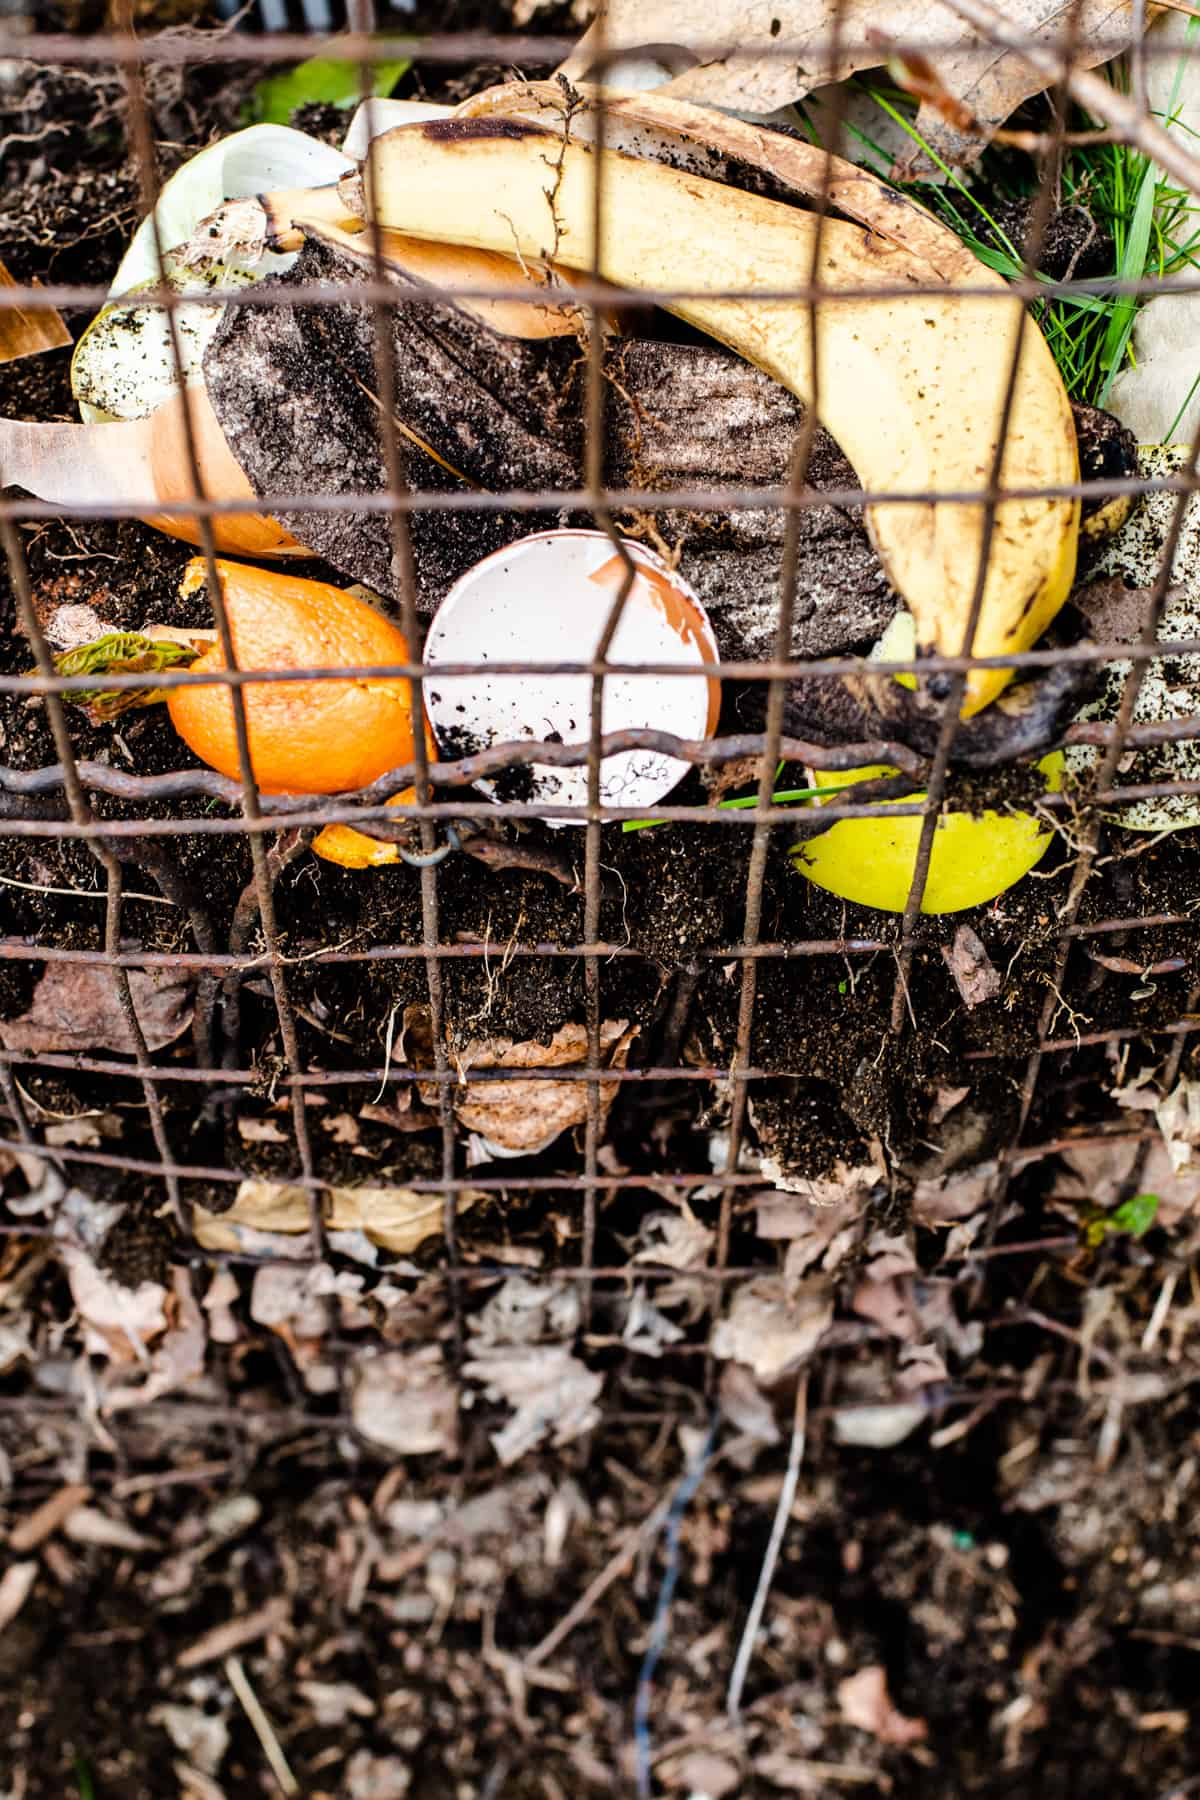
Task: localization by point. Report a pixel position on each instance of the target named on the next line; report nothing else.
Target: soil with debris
(353, 1528)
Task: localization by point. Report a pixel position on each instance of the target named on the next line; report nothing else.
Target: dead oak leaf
(525, 1117)
(77, 1006)
(976, 85)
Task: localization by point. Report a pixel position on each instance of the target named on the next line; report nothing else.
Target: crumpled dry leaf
(549, 1388)
(15, 1344)
(677, 1240)
(814, 1234)
(983, 85)
(203, 1737)
(770, 1330)
(866, 1703)
(370, 1777)
(745, 1406)
(975, 975)
(293, 1301)
(646, 1329)
(885, 1304)
(525, 1117)
(406, 1402)
(1178, 1116)
(1097, 1176)
(525, 1312)
(394, 1218)
(178, 1357)
(75, 1006)
(553, 1393)
(119, 1322)
(944, 1199)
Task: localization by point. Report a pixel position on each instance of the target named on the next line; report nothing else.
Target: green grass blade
(1131, 267)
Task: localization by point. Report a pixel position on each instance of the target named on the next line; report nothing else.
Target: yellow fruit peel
(871, 861)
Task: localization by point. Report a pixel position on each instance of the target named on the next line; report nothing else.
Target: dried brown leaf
(770, 1330)
(526, 1116)
(553, 1394)
(76, 1006)
(405, 1401)
(119, 1321)
(986, 85)
(29, 330)
(975, 975)
(394, 1218)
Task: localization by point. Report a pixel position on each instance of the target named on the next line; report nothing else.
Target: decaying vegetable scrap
(294, 389)
(29, 330)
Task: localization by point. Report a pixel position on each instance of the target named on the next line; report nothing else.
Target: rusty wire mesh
(239, 808)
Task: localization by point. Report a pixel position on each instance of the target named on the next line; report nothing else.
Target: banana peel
(911, 382)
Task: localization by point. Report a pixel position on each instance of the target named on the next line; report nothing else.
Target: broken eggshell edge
(546, 599)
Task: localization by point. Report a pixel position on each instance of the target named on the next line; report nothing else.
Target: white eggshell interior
(545, 600)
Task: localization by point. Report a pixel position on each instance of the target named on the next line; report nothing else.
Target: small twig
(263, 1729)
(787, 1497)
(662, 1611)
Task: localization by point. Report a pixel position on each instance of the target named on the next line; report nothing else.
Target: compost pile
(367, 1441)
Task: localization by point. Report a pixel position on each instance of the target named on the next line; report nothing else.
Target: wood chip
(49, 1517)
(223, 1639)
(975, 975)
(16, 1585)
(29, 330)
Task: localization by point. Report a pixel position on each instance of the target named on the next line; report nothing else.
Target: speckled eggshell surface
(1171, 688)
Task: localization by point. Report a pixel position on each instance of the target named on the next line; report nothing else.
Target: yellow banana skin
(911, 384)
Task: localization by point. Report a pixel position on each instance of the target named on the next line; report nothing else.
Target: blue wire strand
(662, 1612)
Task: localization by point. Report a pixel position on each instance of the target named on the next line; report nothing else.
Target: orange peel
(324, 736)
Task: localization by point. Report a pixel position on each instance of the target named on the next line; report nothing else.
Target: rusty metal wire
(730, 1072)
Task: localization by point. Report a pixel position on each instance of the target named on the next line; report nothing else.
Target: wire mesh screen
(519, 1024)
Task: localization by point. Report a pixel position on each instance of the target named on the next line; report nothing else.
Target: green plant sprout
(781, 797)
(1133, 1218)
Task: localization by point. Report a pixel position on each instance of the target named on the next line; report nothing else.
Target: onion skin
(222, 478)
(306, 737)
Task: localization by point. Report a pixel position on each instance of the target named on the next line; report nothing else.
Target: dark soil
(1025, 1581)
